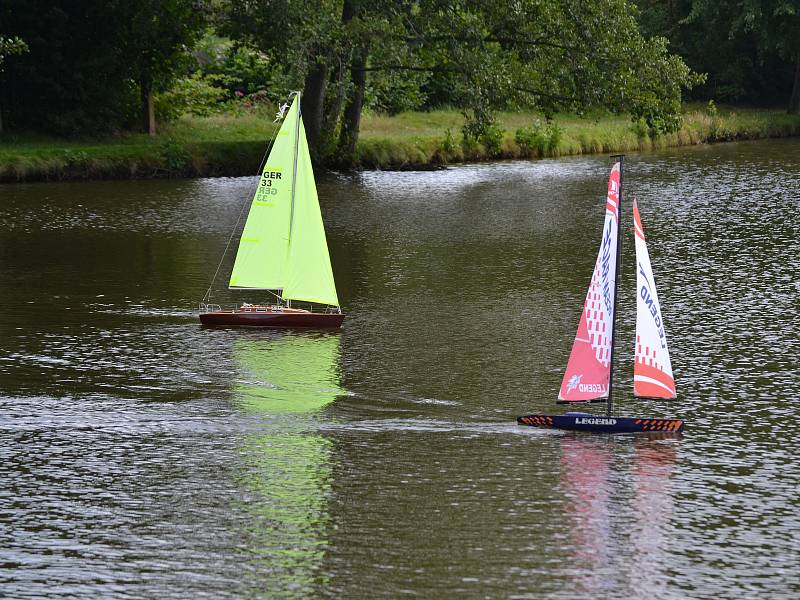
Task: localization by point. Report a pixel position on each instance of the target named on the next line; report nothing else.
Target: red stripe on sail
(612, 199)
(637, 222)
(661, 386)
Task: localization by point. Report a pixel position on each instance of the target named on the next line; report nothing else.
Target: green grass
(420, 139)
(234, 145)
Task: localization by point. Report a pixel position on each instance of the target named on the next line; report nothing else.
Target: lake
(144, 456)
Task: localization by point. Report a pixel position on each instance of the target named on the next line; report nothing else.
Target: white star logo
(573, 382)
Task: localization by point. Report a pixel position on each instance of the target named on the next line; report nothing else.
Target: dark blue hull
(602, 424)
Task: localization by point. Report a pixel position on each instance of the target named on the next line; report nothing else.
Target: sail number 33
(266, 188)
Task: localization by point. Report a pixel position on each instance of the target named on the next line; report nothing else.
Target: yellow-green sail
(283, 245)
(309, 275)
(261, 259)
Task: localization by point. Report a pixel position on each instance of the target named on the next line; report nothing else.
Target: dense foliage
(480, 55)
(99, 65)
(749, 48)
(90, 61)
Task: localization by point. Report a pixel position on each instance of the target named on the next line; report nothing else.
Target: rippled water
(141, 455)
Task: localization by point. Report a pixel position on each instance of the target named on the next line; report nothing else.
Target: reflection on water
(619, 504)
(283, 381)
(585, 468)
(653, 506)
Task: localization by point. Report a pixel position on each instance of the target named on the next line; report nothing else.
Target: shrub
(173, 155)
(640, 128)
(538, 139)
(196, 95)
(492, 140)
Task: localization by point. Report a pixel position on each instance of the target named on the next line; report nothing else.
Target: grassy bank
(234, 145)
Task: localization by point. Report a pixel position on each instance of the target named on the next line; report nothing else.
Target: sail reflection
(287, 467)
(603, 479)
(653, 464)
(585, 472)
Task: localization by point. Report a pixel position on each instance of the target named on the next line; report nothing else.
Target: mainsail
(652, 370)
(589, 366)
(261, 259)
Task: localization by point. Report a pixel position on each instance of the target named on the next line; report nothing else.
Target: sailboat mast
(294, 165)
(617, 267)
(294, 173)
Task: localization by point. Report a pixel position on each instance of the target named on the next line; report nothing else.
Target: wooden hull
(272, 319)
(602, 424)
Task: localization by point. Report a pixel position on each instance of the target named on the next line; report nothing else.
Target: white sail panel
(588, 369)
(652, 369)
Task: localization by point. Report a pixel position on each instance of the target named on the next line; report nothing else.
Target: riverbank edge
(169, 158)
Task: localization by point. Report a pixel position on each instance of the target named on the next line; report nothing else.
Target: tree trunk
(148, 108)
(333, 108)
(312, 105)
(338, 82)
(352, 113)
(794, 101)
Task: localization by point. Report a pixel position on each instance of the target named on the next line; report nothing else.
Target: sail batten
(652, 368)
(588, 370)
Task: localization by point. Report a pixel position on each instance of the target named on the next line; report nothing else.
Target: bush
(640, 128)
(242, 104)
(174, 155)
(485, 131)
(449, 142)
(196, 95)
(539, 140)
(492, 140)
(238, 67)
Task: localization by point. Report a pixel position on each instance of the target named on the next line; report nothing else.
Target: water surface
(141, 455)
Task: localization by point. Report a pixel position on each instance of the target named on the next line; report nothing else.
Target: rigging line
(207, 296)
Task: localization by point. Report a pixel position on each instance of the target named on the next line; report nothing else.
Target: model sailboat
(590, 369)
(282, 249)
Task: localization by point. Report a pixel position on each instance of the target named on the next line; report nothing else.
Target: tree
(774, 26)
(155, 36)
(553, 55)
(749, 48)
(303, 36)
(9, 46)
(71, 80)
(92, 63)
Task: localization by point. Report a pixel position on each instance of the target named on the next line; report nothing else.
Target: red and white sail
(589, 366)
(652, 370)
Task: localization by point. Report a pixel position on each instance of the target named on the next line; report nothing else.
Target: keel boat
(588, 377)
(282, 250)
